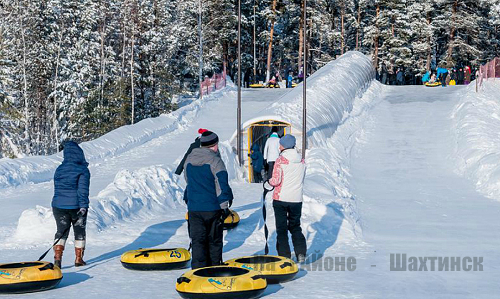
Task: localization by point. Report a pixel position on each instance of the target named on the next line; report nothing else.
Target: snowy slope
(477, 132)
(141, 206)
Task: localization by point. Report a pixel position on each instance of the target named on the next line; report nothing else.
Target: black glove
(225, 214)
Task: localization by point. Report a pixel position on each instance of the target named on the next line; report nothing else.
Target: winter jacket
(207, 181)
(288, 176)
(426, 77)
(193, 145)
(272, 148)
(400, 76)
(440, 71)
(72, 180)
(257, 159)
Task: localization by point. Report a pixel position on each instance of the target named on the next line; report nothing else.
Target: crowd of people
(208, 196)
(459, 75)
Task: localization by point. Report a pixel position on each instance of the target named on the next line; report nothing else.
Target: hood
(74, 154)
(292, 155)
(275, 135)
(201, 156)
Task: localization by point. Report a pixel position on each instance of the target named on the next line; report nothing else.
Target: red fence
(218, 81)
(489, 70)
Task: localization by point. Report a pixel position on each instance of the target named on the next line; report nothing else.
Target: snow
(382, 177)
(477, 133)
(14, 172)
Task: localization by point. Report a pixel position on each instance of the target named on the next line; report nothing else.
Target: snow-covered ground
(477, 130)
(382, 178)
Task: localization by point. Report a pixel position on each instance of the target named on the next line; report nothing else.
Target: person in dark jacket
(71, 201)
(195, 144)
(400, 77)
(257, 163)
(460, 76)
(208, 196)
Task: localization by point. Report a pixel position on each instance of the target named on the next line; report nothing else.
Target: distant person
(288, 182)
(433, 78)
(384, 73)
(442, 73)
(70, 203)
(257, 163)
(460, 76)
(195, 144)
(208, 197)
(467, 75)
(301, 75)
(399, 77)
(272, 150)
(289, 81)
(426, 77)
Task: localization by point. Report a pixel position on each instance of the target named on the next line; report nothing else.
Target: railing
(488, 70)
(209, 85)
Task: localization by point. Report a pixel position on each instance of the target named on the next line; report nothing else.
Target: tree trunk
(428, 64)
(270, 48)
(357, 29)
(452, 30)
(25, 89)
(342, 14)
(375, 42)
(132, 75)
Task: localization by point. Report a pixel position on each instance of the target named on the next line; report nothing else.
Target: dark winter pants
(67, 217)
(205, 229)
(288, 219)
(257, 177)
(270, 170)
(443, 79)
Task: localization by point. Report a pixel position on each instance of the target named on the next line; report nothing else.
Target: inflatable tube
(221, 282)
(28, 277)
(276, 269)
(156, 259)
(432, 84)
(256, 85)
(230, 222)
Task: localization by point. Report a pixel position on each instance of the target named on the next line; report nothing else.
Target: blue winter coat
(72, 180)
(441, 70)
(257, 158)
(207, 181)
(426, 77)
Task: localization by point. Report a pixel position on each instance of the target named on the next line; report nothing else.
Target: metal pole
(254, 48)
(304, 87)
(238, 148)
(200, 76)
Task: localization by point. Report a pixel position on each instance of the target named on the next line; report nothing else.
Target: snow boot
(58, 252)
(79, 257)
(301, 259)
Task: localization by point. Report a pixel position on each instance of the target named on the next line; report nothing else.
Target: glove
(81, 212)
(225, 214)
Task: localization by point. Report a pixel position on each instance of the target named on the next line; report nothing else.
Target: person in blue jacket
(442, 73)
(71, 201)
(208, 197)
(257, 163)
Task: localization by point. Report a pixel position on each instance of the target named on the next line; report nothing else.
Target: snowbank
(132, 195)
(477, 129)
(339, 98)
(14, 172)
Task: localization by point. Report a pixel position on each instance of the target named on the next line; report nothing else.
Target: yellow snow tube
(221, 282)
(28, 277)
(453, 82)
(433, 84)
(276, 269)
(257, 85)
(230, 222)
(156, 259)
